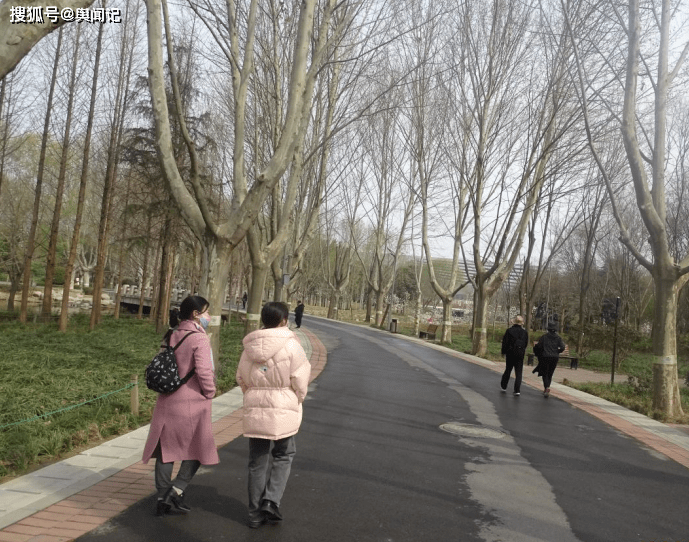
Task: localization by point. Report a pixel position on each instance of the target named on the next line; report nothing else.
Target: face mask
(204, 322)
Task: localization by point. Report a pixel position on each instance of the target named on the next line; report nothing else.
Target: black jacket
(299, 309)
(514, 341)
(549, 345)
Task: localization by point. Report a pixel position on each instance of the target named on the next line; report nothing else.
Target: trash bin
(393, 325)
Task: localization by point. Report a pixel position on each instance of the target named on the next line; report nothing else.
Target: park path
(59, 505)
(65, 500)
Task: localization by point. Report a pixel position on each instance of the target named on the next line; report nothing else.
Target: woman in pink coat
(181, 425)
(273, 373)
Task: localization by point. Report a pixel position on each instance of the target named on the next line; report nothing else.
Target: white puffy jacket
(273, 373)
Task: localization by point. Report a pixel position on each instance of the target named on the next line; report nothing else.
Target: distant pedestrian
(181, 426)
(298, 313)
(514, 344)
(548, 349)
(244, 300)
(273, 374)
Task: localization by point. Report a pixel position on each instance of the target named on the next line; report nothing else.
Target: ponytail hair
(190, 304)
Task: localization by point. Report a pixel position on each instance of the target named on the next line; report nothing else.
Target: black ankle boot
(176, 500)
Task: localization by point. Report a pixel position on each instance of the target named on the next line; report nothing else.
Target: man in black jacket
(513, 348)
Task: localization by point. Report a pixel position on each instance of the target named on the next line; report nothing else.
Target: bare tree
(647, 154)
(311, 47)
(57, 210)
(10, 121)
(18, 39)
(122, 97)
(23, 314)
(443, 200)
(555, 218)
(83, 181)
(387, 200)
(512, 121)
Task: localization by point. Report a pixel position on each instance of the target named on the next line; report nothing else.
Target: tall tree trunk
(333, 305)
(15, 270)
(446, 335)
(117, 128)
(155, 281)
(144, 273)
(479, 344)
(278, 281)
(165, 282)
(259, 274)
(369, 304)
(215, 267)
(665, 380)
(69, 269)
(6, 131)
(57, 211)
(380, 301)
(31, 243)
(120, 263)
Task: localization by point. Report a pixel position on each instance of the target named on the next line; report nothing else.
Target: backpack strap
(193, 369)
(181, 340)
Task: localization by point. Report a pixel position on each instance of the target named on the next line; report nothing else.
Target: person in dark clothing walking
(514, 344)
(548, 349)
(298, 313)
(244, 300)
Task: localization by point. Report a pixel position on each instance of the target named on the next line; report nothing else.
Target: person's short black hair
(189, 305)
(274, 313)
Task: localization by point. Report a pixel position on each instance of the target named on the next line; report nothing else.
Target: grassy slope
(43, 370)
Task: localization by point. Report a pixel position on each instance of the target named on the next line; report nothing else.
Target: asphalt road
(373, 464)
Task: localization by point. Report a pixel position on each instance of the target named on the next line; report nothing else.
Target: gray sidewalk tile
(36, 491)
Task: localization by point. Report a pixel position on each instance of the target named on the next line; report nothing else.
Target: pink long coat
(273, 373)
(182, 419)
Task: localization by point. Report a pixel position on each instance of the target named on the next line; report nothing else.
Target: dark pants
(163, 472)
(297, 319)
(267, 479)
(548, 366)
(163, 475)
(516, 363)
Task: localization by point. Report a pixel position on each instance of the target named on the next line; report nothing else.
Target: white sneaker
(517, 393)
(503, 390)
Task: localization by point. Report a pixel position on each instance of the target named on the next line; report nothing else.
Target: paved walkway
(70, 498)
(670, 440)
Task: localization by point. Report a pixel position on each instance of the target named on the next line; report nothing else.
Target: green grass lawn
(44, 371)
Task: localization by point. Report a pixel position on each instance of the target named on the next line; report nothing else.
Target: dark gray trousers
(268, 475)
(163, 475)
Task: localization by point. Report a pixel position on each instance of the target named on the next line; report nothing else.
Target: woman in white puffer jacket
(273, 373)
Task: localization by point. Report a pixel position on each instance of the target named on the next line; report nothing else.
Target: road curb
(70, 498)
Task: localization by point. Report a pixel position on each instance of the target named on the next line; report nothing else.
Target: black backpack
(162, 374)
